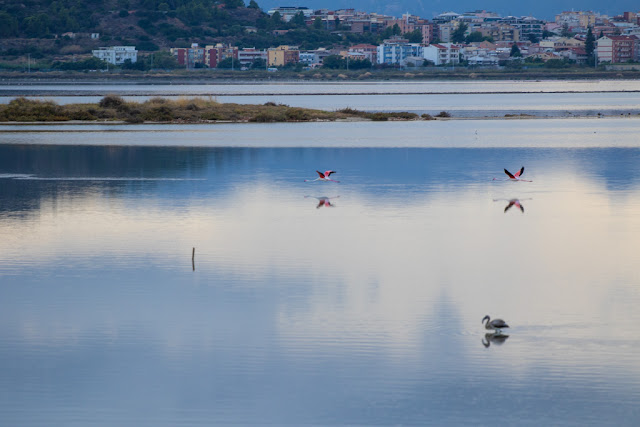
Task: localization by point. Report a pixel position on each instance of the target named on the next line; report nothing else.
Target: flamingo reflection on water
(323, 201)
(494, 338)
(323, 176)
(512, 202)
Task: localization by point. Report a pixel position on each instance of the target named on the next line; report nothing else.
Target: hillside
(61, 30)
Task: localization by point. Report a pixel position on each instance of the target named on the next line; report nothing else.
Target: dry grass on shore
(187, 110)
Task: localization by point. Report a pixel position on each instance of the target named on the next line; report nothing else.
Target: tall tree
(515, 51)
(458, 36)
(589, 43)
(414, 36)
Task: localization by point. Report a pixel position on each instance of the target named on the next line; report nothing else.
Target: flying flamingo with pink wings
(515, 176)
(323, 177)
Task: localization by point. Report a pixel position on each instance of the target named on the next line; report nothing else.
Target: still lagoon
(322, 303)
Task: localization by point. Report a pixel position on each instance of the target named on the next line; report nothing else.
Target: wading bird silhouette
(495, 324)
(323, 201)
(323, 177)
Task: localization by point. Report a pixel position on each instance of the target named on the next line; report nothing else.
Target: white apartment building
(116, 54)
(247, 55)
(443, 53)
(396, 50)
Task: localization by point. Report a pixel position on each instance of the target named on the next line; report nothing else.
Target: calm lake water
(363, 308)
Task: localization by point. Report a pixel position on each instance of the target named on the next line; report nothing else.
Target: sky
(544, 9)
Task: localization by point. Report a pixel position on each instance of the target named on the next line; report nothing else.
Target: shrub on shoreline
(187, 110)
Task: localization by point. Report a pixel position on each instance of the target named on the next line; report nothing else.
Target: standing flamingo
(323, 177)
(495, 324)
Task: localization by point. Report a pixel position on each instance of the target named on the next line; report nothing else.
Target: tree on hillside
(414, 36)
(229, 63)
(165, 60)
(276, 18)
(475, 36)
(253, 5)
(8, 25)
(298, 20)
(458, 36)
(233, 4)
(515, 51)
(589, 45)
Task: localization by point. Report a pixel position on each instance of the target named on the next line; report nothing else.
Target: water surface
(364, 309)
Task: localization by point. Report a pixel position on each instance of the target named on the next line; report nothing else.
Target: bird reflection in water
(511, 203)
(323, 201)
(496, 338)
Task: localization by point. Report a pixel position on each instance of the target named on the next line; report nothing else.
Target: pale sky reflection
(370, 275)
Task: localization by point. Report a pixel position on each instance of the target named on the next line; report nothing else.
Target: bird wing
(509, 174)
(499, 323)
(520, 172)
(321, 174)
(509, 206)
(521, 207)
(328, 173)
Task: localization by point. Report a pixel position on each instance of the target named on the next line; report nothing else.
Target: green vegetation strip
(187, 110)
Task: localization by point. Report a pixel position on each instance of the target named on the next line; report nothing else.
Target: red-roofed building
(616, 49)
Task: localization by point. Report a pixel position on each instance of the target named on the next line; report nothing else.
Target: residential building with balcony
(282, 55)
(528, 27)
(370, 51)
(213, 55)
(616, 49)
(288, 12)
(116, 54)
(395, 50)
(189, 56)
(248, 55)
(442, 53)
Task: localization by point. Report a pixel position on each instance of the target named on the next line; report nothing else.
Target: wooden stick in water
(193, 257)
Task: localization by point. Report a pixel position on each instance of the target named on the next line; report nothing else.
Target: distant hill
(57, 30)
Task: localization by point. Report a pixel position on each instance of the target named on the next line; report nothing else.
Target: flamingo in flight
(323, 177)
(516, 176)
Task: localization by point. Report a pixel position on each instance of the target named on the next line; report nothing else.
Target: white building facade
(441, 54)
(116, 54)
(396, 51)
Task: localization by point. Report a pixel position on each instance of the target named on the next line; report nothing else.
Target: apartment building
(116, 54)
(616, 49)
(213, 55)
(396, 50)
(189, 56)
(282, 55)
(442, 53)
(247, 56)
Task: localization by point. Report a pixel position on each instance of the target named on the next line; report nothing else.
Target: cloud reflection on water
(383, 294)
